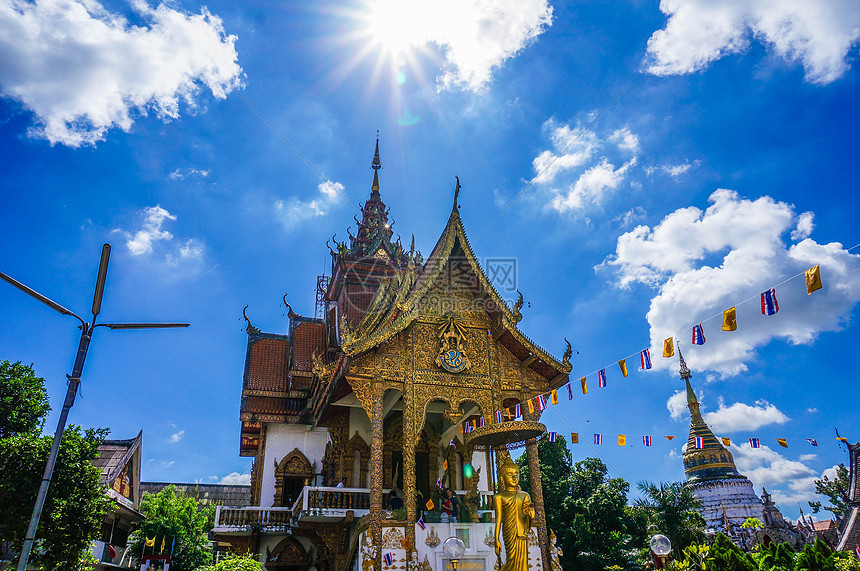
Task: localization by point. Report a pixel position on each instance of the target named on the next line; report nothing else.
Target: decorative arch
(292, 473)
(355, 444)
(288, 553)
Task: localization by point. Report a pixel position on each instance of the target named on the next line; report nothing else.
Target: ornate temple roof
(398, 302)
(713, 460)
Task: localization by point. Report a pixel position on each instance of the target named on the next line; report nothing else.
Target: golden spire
(376, 165)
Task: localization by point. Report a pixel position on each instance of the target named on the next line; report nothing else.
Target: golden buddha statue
(514, 513)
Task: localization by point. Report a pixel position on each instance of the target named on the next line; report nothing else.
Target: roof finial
(250, 329)
(686, 375)
(456, 193)
(376, 165)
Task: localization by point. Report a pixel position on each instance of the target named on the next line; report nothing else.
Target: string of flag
(769, 307)
(648, 440)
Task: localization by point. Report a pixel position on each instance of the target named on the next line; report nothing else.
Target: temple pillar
(537, 500)
(409, 479)
(375, 413)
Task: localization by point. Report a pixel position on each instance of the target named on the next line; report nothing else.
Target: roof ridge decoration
(396, 303)
(249, 329)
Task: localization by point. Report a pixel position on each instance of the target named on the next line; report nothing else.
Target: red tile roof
(267, 365)
(308, 338)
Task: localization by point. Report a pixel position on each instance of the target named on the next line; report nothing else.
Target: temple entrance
(422, 473)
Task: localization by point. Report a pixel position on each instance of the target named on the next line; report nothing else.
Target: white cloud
(151, 241)
(804, 226)
(176, 436)
(817, 34)
(293, 211)
(740, 416)
(83, 70)
(577, 179)
(673, 171)
(800, 490)
(704, 262)
(475, 36)
(235, 478)
(625, 139)
(767, 467)
(182, 174)
(677, 404)
(140, 242)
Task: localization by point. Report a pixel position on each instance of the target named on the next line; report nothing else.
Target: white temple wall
(281, 439)
(736, 495)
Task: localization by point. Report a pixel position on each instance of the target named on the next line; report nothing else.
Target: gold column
(376, 470)
(409, 438)
(537, 500)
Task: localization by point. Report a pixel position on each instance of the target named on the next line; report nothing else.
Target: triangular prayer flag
(584, 384)
(730, 320)
(769, 305)
(813, 279)
(623, 365)
(531, 406)
(430, 505)
(726, 441)
(668, 437)
(622, 440)
(574, 438)
(698, 335)
(782, 442)
(645, 358)
(668, 347)
(601, 378)
(554, 397)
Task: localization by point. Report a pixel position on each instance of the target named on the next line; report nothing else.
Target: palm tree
(672, 509)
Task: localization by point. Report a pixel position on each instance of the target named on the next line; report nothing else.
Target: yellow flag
(430, 505)
(781, 441)
(668, 347)
(163, 539)
(149, 542)
(531, 406)
(554, 399)
(622, 440)
(813, 280)
(574, 438)
(584, 384)
(726, 441)
(445, 464)
(730, 320)
(623, 364)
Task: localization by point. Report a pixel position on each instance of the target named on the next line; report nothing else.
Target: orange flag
(584, 384)
(623, 364)
(813, 280)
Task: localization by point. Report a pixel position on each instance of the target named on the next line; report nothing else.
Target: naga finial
(518, 316)
(250, 329)
(290, 313)
(568, 353)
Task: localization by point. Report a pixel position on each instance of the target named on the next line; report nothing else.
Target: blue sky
(719, 160)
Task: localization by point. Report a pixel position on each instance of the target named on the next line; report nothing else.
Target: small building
(205, 494)
(119, 462)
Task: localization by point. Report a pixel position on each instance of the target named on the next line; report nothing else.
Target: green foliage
(775, 557)
(23, 400)
(728, 557)
(175, 516)
(836, 491)
(752, 523)
(695, 557)
(76, 502)
(816, 557)
(235, 562)
(846, 561)
(671, 509)
(586, 509)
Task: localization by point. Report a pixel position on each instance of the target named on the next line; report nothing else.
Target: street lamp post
(74, 382)
(454, 548)
(661, 547)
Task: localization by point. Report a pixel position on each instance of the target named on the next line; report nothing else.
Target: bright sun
(397, 24)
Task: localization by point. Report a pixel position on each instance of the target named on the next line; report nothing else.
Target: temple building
(849, 531)
(727, 496)
(354, 417)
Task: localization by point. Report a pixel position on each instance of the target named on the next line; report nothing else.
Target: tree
(671, 509)
(728, 557)
(177, 521)
(236, 562)
(836, 491)
(23, 400)
(76, 503)
(586, 509)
